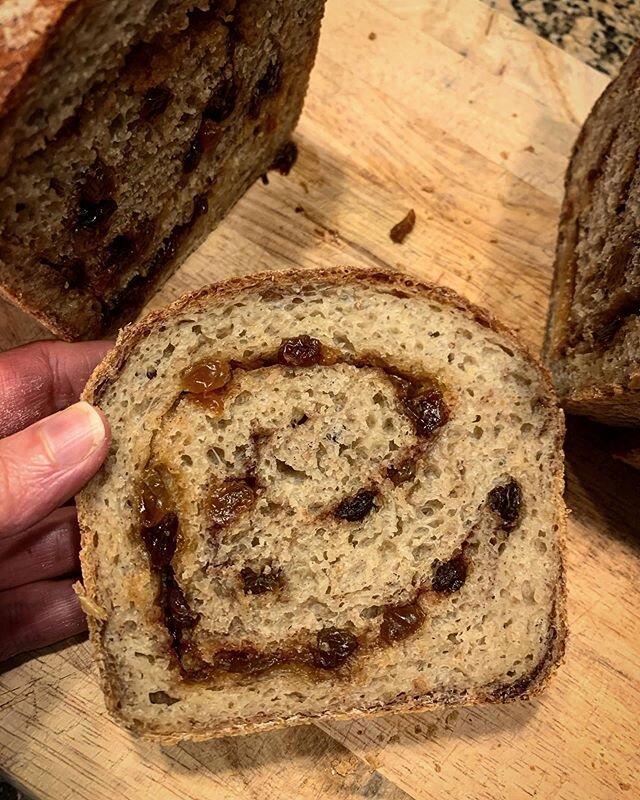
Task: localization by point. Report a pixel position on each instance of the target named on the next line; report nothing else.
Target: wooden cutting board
(448, 108)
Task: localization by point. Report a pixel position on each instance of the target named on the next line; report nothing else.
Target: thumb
(47, 463)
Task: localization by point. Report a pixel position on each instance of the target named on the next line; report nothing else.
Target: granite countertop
(599, 32)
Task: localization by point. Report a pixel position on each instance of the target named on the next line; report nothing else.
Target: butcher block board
(455, 111)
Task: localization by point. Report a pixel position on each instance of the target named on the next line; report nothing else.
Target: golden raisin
(155, 500)
(206, 376)
(228, 501)
(398, 622)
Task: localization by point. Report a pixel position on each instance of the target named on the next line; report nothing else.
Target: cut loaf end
(328, 494)
(114, 170)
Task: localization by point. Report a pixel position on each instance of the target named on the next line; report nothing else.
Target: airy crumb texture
(593, 333)
(329, 493)
(127, 132)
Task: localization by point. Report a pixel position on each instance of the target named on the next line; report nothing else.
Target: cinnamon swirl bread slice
(329, 493)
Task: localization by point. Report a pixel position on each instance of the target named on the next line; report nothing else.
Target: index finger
(44, 377)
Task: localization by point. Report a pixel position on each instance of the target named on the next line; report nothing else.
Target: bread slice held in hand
(329, 493)
(127, 132)
(593, 335)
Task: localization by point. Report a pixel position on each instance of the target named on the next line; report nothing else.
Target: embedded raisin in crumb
(300, 351)
(228, 501)
(155, 102)
(333, 648)
(266, 580)
(121, 249)
(286, 158)
(356, 508)
(399, 232)
(222, 102)
(57, 186)
(92, 215)
(450, 575)
(98, 182)
(268, 85)
(208, 136)
(398, 622)
(428, 412)
(192, 157)
(402, 472)
(245, 661)
(206, 375)
(161, 540)
(506, 501)
(177, 607)
(155, 499)
(200, 205)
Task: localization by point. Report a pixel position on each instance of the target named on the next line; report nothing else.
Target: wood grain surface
(459, 113)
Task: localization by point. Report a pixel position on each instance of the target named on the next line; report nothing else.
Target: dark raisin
(399, 232)
(506, 501)
(200, 206)
(57, 186)
(427, 411)
(300, 351)
(265, 179)
(222, 102)
(208, 136)
(450, 575)
(121, 249)
(402, 472)
(177, 606)
(155, 102)
(91, 215)
(356, 508)
(228, 501)
(161, 540)
(285, 159)
(192, 156)
(333, 648)
(266, 86)
(260, 582)
(398, 622)
(245, 661)
(98, 183)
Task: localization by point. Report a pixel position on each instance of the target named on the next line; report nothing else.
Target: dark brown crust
(106, 374)
(611, 403)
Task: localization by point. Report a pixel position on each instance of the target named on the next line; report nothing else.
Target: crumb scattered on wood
(299, 210)
(530, 149)
(285, 159)
(265, 179)
(504, 154)
(373, 36)
(400, 231)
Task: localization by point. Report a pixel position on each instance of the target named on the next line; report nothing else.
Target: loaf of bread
(593, 336)
(329, 494)
(127, 131)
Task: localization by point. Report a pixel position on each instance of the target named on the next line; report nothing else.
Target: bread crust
(614, 403)
(107, 372)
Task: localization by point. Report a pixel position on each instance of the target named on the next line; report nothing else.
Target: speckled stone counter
(599, 32)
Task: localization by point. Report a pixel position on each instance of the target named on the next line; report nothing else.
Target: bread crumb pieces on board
(373, 36)
(403, 228)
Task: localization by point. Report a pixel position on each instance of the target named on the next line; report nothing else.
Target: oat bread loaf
(593, 336)
(127, 131)
(329, 493)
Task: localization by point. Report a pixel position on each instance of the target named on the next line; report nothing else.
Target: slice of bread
(593, 334)
(127, 131)
(329, 493)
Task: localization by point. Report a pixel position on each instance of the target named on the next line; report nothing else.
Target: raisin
(427, 411)
(155, 500)
(450, 575)
(192, 157)
(229, 501)
(99, 183)
(356, 508)
(161, 539)
(506, 501)
(200, 206)
(208, 136)
(399, 232)
(398, 622)
(266, 86)
(333, 648)
(300, 351)
(121, 249)
(245, 661)
(402, 472)
(260, 582)
(91, 215)
(155, 102)
(206, 375)
(222, 102)
(177, 606)
(285, 158)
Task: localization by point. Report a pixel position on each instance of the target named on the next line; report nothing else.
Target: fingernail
(72, 435)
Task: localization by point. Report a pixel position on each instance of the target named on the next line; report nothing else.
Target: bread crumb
(504, 154)
(299, 210)
(530, 149)
(265, 179)
(402, 229)
(373, 36)
(89, 606)
(344, 767)
(428, 188)
(437, 767)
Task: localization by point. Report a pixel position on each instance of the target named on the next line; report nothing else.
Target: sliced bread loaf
(329, 493)
(127, 131)
(593, 335)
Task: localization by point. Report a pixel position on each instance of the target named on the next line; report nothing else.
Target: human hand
(49, 449)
